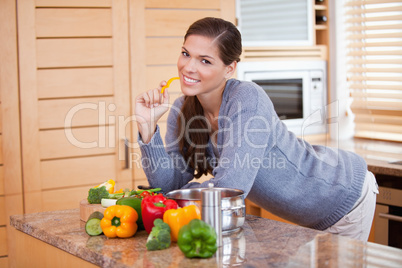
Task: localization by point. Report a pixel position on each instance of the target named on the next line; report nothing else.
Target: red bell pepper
(153, 207)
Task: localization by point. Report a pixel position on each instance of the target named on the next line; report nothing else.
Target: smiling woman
(229, 129)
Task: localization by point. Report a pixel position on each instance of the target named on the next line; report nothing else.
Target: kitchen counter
(51, 239)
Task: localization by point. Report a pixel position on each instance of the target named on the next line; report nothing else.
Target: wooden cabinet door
(74, 93)
(157, 29)
(10, 151)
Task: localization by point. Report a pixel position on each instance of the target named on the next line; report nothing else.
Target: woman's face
(200, 68)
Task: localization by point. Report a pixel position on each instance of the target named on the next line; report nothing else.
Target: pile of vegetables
(106, 191)
(162, 219)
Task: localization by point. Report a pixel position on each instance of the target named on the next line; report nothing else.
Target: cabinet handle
(390, 217)
(126, 154)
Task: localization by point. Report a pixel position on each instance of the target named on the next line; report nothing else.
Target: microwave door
(288, 92)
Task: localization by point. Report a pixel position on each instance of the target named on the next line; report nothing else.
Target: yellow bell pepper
(176, 218)
(109, 185)
(120, 221)
(168, 83)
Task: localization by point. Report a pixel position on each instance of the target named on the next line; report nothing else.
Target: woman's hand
(150, 106)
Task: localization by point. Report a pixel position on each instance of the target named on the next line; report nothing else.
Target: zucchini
(92, 226)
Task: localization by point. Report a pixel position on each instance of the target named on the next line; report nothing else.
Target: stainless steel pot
(233, 206)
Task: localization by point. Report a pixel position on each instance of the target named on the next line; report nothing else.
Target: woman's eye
(206, 61)
(185, 54)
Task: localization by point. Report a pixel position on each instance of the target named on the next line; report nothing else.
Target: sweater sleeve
(165, 167)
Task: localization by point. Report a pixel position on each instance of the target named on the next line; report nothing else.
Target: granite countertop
(259, 243)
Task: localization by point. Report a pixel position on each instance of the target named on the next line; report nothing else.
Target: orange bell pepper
(177, 218)
(119, 221)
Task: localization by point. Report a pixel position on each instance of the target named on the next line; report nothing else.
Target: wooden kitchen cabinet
(11, 201)
(73, 83)
(321, 28)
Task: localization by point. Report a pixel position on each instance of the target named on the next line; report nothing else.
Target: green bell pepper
(197, 239)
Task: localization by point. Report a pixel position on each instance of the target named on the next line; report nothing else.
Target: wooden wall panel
(173, 22)
(228, 10)
(73, 3)
(3, 241)
(10, 170)
(1, 120)
(4, 262)
(3, 215)
(77, 171)
(121, 81)
(28, 103)
(77, 82)
(157, 73)
(1, 149)
(195, 4)
(69, 22)
(138, 55)
(162, 51)
(83, 142)
(75, 112)
(77, 52)
(2, 181)
(66, 198)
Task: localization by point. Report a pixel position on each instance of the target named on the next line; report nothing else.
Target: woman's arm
(163, 165)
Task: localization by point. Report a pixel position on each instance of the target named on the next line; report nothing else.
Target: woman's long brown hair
(193, 145)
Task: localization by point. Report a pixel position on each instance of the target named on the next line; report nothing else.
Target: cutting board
(87, 209)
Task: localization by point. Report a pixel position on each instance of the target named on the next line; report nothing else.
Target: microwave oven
(297, 90)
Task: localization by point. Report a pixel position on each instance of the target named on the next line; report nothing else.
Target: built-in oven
(388, 213)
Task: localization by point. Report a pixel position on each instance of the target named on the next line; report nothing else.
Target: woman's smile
(189, 80)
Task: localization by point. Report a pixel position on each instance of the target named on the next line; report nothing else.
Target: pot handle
(240, 207)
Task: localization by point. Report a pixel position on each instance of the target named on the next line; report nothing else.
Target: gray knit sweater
(310, 185)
